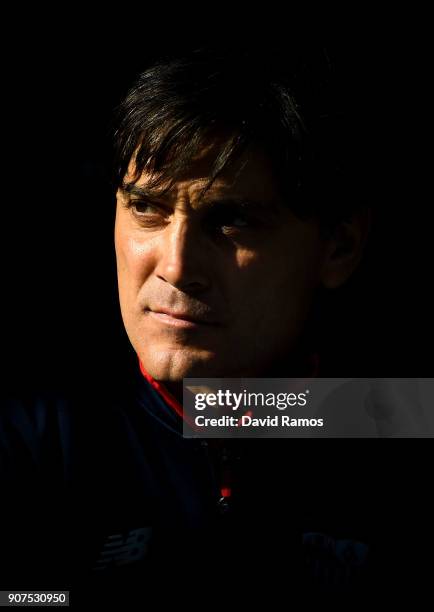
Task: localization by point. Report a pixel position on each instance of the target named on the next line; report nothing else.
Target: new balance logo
(121, 549)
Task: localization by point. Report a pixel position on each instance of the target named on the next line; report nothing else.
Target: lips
(183, 316)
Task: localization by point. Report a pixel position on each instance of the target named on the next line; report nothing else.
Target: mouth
(179, 319)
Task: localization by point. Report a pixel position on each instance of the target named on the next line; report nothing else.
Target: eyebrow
(210, 201)
(143, 192)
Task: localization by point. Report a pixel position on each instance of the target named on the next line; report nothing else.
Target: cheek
(275, 286)
(134, 259)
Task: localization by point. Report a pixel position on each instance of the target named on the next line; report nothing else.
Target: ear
(344, 248)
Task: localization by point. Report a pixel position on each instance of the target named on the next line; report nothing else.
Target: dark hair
(290, 104)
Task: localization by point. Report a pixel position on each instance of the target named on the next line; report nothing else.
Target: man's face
(213, 286)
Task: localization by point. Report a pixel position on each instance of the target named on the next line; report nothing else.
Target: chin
(174, 365)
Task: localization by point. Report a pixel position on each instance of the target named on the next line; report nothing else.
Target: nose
(183, 260)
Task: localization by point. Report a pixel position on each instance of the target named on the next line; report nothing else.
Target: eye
(142, 208)
(235, 221)
(146, 213)
(230, 219)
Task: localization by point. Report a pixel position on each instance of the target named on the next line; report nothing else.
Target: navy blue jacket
(100, 488)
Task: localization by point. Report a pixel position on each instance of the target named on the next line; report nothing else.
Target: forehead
(251, 176)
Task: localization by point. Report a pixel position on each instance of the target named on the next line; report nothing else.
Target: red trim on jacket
(165, 394)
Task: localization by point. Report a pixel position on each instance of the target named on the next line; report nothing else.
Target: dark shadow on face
(218, 285)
